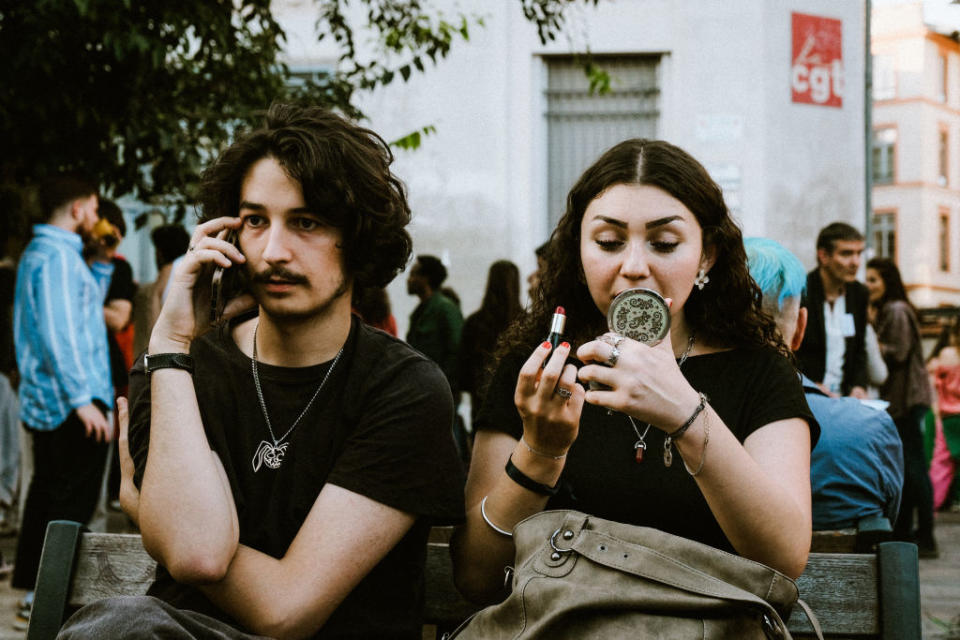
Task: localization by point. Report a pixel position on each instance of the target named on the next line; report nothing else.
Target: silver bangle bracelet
(483, 513)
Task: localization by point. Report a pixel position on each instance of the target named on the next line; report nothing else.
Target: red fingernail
(545, 345)
(565, 345)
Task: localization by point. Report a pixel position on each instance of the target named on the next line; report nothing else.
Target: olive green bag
(578, 576)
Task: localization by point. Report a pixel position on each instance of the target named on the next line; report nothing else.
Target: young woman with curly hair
(646, 214)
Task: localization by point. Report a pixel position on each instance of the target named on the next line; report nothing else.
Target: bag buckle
(770, 628)
(558, 551)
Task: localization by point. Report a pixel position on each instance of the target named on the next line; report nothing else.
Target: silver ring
(563, 393)
(612, 339)
(614, 357)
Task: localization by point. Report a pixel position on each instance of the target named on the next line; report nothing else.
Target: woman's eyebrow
(659, 222)
(622, 224)
(612, 221)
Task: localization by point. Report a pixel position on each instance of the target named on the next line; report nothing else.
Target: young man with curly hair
(291, 461)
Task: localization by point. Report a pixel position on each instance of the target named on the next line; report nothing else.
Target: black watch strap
(527, 482)
(155, 361)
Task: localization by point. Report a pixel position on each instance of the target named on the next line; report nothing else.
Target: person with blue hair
(856, 469)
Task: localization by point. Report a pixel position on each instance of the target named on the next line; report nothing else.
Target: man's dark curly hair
(726, 313)
(344, 172)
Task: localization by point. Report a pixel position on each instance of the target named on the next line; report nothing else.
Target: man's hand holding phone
(186, 313)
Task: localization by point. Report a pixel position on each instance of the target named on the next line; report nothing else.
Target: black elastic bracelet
(527, 482)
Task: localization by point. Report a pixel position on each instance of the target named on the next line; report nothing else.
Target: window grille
(582, 124)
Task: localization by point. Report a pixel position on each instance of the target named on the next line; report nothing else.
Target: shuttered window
(582, 124)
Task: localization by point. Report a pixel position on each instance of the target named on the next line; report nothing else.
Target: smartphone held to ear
(226, 284)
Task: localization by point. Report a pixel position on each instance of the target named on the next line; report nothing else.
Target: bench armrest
(899, 569)
(57, 561)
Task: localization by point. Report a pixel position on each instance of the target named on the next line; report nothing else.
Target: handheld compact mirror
(639, 314)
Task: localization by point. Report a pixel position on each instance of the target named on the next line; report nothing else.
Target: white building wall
(814, 155)
(477, 186)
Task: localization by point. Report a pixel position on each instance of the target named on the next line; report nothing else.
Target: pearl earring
(701, 280)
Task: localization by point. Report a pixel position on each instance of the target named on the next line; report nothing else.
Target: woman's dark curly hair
(726, 313)
(344, 172)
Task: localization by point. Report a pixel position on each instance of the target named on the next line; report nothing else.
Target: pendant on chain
(269, 454)
(639, 448)
(667, 453)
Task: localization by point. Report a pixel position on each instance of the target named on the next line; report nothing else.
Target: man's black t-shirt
(380, 427)
(748, 388)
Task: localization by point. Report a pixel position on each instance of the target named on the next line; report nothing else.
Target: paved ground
(939, 584)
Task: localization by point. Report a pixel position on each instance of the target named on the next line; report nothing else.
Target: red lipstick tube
(557, 324)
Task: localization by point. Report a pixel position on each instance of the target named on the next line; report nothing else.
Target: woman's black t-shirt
(380, 427)
(748, 388)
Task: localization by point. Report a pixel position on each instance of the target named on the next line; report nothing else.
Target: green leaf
(152, 90)
(412, 140)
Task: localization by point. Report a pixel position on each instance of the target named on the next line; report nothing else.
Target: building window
(884, 77)
(582, 124)
(884, 154)
(943, 158)
(885, 234)
(944, 240)
(942, 77)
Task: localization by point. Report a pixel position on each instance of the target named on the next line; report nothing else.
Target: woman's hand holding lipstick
(548, 396)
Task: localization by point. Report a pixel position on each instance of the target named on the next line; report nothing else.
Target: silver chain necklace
(271, 454)
(640, 446)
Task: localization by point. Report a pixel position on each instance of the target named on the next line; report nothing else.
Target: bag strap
(648, 563)
(811, 617)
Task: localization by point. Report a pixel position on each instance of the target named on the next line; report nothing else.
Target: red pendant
(638, 450)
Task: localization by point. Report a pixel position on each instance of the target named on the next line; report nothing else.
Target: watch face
(639, 314)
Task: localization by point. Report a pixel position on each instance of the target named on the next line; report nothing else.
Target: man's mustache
(278, 273)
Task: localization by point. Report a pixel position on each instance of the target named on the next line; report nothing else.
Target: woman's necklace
(640, 446)
(269, 454)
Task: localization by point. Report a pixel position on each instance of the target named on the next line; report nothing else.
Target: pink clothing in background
(948, 390)
(942, 467)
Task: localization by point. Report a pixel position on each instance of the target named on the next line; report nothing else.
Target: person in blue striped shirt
(61, 345)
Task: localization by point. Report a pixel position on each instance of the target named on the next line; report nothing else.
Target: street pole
(868, 128)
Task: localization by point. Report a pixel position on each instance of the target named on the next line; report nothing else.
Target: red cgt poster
(816, 72)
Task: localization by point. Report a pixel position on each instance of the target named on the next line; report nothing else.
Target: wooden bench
(860, 596)
(863, 538)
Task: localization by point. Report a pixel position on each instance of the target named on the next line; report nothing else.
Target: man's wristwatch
(155, 361)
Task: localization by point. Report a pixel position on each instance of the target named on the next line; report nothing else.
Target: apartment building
(916, 146)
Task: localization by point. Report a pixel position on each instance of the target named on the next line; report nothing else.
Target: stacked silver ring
(614, 357)
(563, 393)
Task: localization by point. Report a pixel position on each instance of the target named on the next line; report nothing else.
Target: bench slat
(841, 588)
(110, 564)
